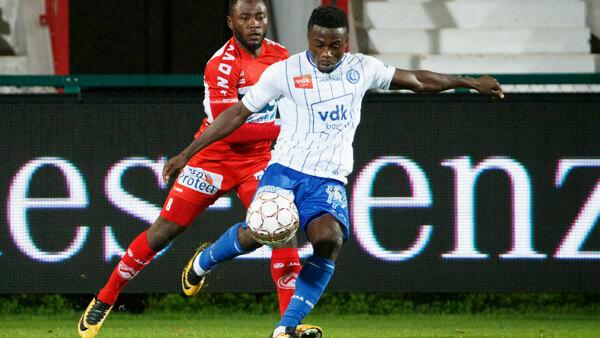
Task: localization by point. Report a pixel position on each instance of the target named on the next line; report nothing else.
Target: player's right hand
(173, 167)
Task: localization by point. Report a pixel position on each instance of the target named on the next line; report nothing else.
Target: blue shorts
(314, 196)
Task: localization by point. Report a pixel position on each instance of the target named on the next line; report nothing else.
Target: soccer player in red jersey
(234, 163)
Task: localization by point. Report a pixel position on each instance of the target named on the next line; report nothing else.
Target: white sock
(197, 268)
(278, 330)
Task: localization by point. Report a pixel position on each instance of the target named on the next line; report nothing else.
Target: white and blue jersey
(319, 116)
(319, 111)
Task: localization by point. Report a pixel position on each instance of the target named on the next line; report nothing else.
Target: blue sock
(311, 283)
(225, 248)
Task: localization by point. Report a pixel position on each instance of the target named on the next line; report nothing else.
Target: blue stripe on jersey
(353, 121)
(287, 77)
(316, 80)
(305, 98)
(331, 86)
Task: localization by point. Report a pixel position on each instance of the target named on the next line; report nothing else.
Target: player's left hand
(490, 86)
(173, 168)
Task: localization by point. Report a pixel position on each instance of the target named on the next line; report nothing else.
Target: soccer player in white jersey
(322, 90)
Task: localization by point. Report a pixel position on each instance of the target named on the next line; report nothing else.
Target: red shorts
(202, 182)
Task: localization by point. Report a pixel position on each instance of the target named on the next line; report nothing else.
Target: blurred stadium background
(459, 205)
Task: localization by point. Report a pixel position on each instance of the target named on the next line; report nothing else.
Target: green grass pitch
(243, 325)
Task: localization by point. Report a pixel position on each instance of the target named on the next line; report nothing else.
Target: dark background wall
(145, 36)
(89, 168)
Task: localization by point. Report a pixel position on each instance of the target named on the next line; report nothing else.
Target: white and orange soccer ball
(272, 218)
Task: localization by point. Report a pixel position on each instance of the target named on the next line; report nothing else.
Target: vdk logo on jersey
(332, 115)
(304, 82)
(340, 113)
(200, 180)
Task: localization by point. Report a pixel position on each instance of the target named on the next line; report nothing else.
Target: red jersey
(229, 74)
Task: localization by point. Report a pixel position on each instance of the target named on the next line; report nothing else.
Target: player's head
(248, 21)
(327, 36)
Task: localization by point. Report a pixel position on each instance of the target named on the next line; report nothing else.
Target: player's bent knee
(326, 236)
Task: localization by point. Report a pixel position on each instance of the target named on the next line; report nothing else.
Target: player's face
(249, 23)
(327, 46)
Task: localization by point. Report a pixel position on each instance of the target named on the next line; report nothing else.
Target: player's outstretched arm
(423, 81)
(228, 121)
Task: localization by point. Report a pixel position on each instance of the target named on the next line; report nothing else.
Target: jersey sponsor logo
(329, 78)
(225, 68)
(338, 114)
(353, 76)
(200, 180)
(332, 115)
(303, 82)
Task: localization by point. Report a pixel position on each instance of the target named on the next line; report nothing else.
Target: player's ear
(230, 22)
(346, 40)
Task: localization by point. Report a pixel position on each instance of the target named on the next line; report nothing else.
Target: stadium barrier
(450, 193)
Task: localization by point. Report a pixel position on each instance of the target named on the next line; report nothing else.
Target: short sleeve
(381, 74)
(267, 89)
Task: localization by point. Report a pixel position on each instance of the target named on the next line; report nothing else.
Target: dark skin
(327, 47)
(249, 24)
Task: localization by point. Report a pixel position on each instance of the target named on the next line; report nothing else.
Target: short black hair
(328, 17)
(233, 3)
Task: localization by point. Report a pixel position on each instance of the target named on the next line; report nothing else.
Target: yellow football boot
(300, 331)
(191, 283)
(93, 317)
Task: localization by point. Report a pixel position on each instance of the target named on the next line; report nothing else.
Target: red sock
(285, 266)
(136, 257)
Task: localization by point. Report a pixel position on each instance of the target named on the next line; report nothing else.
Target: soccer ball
(272, 218)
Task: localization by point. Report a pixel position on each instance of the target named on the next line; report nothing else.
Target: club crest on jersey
(303, 82)
(200, 180)
(353, 76)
